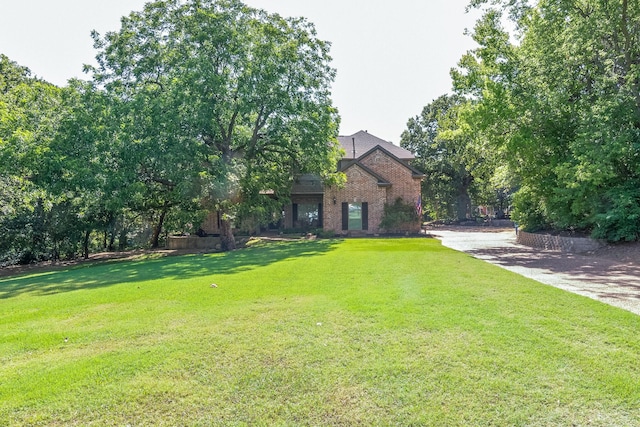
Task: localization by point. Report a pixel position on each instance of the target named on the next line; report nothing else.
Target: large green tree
(563, 103)
(233, 94)
(454, 161)
(86, 164)
(30, 114)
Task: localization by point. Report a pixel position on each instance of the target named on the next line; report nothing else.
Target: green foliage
(234, 95)
(561, 105)
(455, 162)
(399, 217)
(11, 75)
(261, 211)
(36, 221)
(621, 221)
(194, 105)
(529, 212)
(326, 234)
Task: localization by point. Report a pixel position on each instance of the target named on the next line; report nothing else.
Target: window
(355, 216)
(307, 215)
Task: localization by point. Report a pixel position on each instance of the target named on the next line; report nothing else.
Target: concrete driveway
(605, 280)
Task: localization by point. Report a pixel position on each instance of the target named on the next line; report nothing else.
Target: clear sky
(392, 57)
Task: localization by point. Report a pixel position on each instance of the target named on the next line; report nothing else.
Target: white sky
(392, 56)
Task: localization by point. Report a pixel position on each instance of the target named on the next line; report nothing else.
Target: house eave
(305, 193)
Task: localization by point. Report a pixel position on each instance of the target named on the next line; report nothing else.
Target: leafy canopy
(561, 100)
(451, 156)
(243, 94)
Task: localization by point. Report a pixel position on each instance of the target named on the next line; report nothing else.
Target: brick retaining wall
(558, 243)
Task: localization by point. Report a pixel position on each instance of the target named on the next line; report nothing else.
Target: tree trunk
(112, 240)
(157, 230)
(227, 241)
(85, 244)
(463, 204)
(55, 254)
(111, 227)
(122, 239)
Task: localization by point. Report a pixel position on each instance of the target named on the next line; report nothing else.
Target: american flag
(419, 206)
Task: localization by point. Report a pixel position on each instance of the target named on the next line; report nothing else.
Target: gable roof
(365, 142)
(382, 182)
(415, 172)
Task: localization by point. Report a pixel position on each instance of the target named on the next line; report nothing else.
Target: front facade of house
(377, 173)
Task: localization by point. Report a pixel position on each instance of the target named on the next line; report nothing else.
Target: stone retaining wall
(501, 223)
(558, 243)
(193, 242)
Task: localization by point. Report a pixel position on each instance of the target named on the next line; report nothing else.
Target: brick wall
(363, 187)
(403, 183)
(558, 243)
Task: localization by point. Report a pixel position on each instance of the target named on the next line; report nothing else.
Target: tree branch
(629, 59)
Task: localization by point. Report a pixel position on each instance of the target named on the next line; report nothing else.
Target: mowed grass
(331, 332)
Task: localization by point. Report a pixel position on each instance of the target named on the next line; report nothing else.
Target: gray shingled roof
(364, 142)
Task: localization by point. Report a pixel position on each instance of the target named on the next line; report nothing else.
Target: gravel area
(610, 275)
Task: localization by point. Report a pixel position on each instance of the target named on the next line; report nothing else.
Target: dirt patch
(623, 252)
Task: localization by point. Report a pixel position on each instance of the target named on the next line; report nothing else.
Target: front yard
(329, 332)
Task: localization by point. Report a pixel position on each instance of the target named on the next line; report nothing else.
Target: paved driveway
(614, 283)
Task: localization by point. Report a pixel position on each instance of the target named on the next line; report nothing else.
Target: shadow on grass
(167, 268)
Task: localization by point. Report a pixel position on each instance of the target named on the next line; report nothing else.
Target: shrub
(328, 234)
(621, 217)
(528, 211)
(399, 217)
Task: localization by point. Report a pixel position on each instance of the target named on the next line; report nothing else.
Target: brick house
(377, 172)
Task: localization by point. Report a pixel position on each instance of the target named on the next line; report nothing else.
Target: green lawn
(356, 332)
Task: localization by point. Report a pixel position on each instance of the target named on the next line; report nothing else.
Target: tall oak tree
(234, 97)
